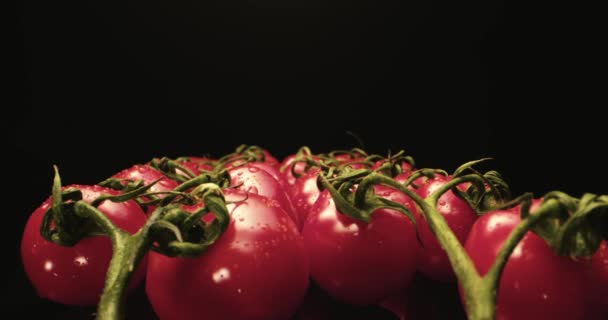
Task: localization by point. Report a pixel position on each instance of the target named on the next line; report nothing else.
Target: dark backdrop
(106, 85)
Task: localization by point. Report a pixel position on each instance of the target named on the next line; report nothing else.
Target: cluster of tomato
(286, 231)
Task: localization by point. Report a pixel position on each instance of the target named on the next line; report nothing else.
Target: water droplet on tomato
(80, 261)
(253, 169)
(441, 203)
(221, 275)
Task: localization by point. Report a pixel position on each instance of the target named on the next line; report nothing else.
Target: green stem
(111, 305)
(127, 252)
(479, 296)
(514, 237)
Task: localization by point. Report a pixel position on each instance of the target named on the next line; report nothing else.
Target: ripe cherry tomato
(304, 194)
(272, 170)
(535, 284)
(251, 178)
(357, 262)
(148, 175)
(432, 260)
(75, 275)
(257, 269)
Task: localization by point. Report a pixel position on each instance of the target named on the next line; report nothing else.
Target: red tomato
(357, 262)
(75, 275)
(251, 179)
(257, 269)
(432, 260)
(269, 168)
(148, 175)
(304, 194)
(598, 276)
(270, 159)
(535, 284)
(286, 168)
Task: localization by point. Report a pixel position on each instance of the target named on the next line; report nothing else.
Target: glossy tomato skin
(357, 262)
(304, 194)
(536, 284)
(75, 275)
(433, 261)
(148, 175)
(252, 179)
(257, 269)
(285, 169)
(270, 159)
(269, 168)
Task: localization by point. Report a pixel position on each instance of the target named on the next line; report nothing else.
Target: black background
(106, 85)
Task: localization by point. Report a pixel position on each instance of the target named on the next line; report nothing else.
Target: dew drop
(80, 261)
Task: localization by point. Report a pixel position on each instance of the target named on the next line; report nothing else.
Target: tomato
(598, 280)
(251, 179)
(270, 169)
(357, 262)
(148, 175)
(432, 260)
(257, 269)
(270, 159)
(75, 275)
(285, 168)
(535, 284)
(304, 194)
